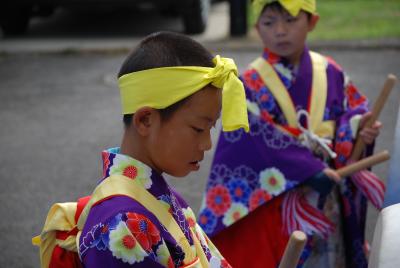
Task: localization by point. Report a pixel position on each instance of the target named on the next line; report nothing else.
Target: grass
(357, 19)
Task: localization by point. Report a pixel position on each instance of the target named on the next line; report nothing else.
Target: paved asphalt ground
(59, 110)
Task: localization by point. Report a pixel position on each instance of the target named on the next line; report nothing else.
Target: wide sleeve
(128, 239)
(354, 105)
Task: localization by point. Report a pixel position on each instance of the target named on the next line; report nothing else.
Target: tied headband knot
(159, 88)
(224, 67)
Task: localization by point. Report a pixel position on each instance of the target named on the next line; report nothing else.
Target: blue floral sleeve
(355, 104)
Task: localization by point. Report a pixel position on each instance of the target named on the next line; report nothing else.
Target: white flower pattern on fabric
(124, 245)
(132, 169)
(163, 256)
(252, 107)
(284, 71)
(190, 217)
(235, 213)
(202, 238)
(215, 262)
(272, 180)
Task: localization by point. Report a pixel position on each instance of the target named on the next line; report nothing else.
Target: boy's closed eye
(267, 23)
(198, 129)
(291, 19)
(201, 129)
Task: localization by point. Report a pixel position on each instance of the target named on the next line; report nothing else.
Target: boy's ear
(144, 119)
(313, 22)
(257, 26)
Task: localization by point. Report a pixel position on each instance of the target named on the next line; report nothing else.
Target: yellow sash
(121, 185)
(318, 94)
(61, 218)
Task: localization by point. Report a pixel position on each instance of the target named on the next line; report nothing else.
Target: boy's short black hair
(277, 7)
(165, 49)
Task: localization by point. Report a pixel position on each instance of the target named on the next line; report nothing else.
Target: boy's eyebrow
(207, 118)
(269, 17)
(204, 117)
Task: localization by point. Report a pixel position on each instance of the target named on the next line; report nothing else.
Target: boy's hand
(323, 181)
(369, 134)
(332, 174)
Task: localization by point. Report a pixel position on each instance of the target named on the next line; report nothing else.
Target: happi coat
(125, 231)
(258, 189)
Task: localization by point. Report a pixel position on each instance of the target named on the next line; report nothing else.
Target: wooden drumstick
(363, 164)
(376, 110)
(293, 250)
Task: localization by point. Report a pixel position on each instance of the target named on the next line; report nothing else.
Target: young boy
(279, 177)
(171, 98)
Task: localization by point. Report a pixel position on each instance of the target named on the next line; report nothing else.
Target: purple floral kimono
(252, 169)
(121, 232)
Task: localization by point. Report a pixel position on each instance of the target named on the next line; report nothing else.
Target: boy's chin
(284, 53)
(183, 171)
(179, 174)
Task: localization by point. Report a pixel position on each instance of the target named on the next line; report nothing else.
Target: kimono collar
(273, 58)
(285, 68)
(116, 163)
(281, 65)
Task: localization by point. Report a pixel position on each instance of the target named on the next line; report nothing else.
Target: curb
(251, 44)
(123, 46)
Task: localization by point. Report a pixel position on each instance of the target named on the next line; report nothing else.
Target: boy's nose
(206, 142)
(280, 29)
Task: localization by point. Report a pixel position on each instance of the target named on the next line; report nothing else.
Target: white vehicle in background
(15, 14)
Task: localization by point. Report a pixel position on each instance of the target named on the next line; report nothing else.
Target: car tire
(195, 15)
(14, 19)
(238, 17)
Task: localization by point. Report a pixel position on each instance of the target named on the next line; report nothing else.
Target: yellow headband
(161, 87)
(292, 6)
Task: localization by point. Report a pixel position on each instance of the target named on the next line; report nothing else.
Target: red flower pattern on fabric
(105, 229)
(218, 199)
(171, 263)
(191, 222)
(129, 241)
(344, 148)
(225, 264)
(257, 198)
(354, 96)
(130, 172)
(145, 232)
(106, 162)
(271, 57)
(252, 80)
(266, 117)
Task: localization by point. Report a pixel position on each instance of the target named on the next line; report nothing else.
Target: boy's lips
(283, 45)
(195, 164)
